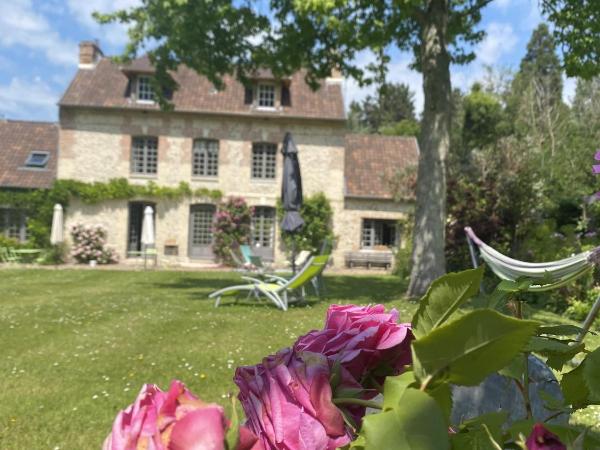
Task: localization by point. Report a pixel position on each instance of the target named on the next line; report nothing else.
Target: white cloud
(113, 34)
(28, 99)
(21, 25)
(499, 40)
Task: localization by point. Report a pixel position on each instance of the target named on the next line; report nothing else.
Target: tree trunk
(429, 236)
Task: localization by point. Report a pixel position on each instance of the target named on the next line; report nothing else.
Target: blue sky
(38, 50)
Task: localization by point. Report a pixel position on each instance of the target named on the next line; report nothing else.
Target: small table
(27, 253)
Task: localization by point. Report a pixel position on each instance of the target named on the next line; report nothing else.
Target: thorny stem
(357, 401)
(519, 314)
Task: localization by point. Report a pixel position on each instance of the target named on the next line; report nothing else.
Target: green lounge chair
(277, 289)
(8, 255)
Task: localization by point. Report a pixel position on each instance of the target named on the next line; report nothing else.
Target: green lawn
(78, 344)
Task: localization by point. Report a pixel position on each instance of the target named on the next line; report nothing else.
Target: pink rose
(542, 439)
(288, 402)
(173, 420)
(362, 338)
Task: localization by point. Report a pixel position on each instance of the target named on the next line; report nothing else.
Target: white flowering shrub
(89, 243)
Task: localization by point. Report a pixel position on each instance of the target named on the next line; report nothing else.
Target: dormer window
(266, 96)
(145, 93)
(37, 160)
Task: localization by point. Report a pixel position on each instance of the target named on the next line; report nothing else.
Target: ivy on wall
(38, 204)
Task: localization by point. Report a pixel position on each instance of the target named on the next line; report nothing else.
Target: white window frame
(265, 96)
(144, 156)
(205, 155)
(144, 92)
(264, 161)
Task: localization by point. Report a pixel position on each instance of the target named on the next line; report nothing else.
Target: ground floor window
(134, 233)
(13, 224)
(263, 231)
(379, 233)
(201, 231)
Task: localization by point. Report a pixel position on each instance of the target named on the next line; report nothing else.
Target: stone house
(229, 140)
(28, 157)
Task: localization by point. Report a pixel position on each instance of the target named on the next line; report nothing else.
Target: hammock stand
(551, 275)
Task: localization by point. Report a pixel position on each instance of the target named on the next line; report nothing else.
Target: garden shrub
(580, 306)
(231, 227)
(89, 243)
(318, 215)
(402, 266)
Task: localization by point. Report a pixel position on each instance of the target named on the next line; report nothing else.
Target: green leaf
(443, 298)
(558, 351)
(560, 330)
(493, 421)
(442, 394)
(418, 425)
(591, 373)
(394, 388)
(470, 348)
(514, 369)
(519, 285)
(476, 439)
(574, 388)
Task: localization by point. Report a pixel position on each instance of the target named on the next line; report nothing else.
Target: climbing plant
(231, 227)
(38, 204)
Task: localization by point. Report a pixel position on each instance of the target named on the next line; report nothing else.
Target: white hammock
(551, 274)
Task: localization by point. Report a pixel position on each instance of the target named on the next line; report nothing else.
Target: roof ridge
(38, 122)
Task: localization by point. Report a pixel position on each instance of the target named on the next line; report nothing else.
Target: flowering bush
(89, 243)
(315, 394)
(231, 227)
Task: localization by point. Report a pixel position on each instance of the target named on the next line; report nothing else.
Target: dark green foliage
(231, 228)
(483, 116)
(577, 27)
(318, 225)
(393, 104)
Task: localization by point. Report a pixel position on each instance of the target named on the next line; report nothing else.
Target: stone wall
(95, 145)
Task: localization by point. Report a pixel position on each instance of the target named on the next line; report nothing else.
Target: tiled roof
(17, 140)
(106, 86)
(372, 161)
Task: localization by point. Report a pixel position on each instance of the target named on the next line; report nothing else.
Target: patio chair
(253, 260)
(8, 255)
(301, 259)
(276, 289)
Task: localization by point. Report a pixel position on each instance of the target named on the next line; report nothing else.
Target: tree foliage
(393, 105)
(318, 225)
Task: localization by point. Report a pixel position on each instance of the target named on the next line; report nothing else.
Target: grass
(78, 344)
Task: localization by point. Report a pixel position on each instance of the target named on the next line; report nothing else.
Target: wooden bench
(369, 258)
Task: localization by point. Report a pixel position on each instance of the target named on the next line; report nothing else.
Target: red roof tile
(106, 86)
(373, 160)
(17, 140)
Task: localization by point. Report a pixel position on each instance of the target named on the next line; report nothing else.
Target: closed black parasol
(291, 191)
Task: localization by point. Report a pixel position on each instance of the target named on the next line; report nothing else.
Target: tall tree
(218, 37)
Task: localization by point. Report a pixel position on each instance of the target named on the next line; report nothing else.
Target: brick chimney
(335, 77)
(89, 54)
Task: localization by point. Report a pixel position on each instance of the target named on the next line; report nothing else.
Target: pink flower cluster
(89, 243)
(293, 400)
(173, 420)
(288, 399)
